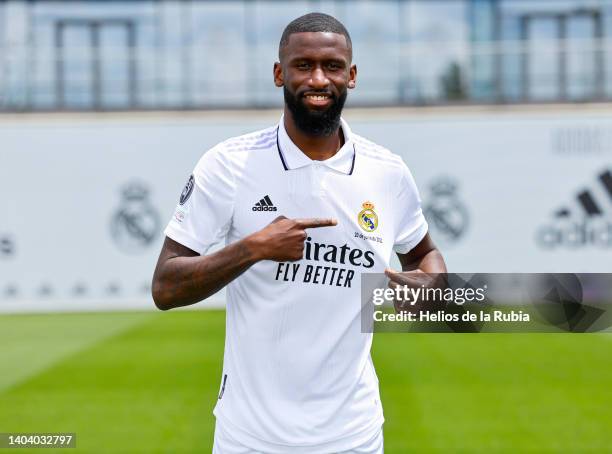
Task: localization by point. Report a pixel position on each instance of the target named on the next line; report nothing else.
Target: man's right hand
(283, 239)
(183, 277)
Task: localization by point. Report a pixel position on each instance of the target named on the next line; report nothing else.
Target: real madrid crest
(367, 218)
(135, 224)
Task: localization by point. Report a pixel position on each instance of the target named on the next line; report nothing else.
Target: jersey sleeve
(205, 209)
(411, 226)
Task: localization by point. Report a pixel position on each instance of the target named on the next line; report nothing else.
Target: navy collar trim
(280, 153)
(282, 157)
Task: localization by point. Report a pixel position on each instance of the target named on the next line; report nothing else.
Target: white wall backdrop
(84, 200)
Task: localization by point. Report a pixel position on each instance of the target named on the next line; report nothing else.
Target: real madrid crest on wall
(445, 212)
(367, 218)
(136, 222)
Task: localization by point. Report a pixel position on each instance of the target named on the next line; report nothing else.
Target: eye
(303, 65)
(334, 66)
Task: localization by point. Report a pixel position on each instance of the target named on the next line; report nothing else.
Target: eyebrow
(334, 59)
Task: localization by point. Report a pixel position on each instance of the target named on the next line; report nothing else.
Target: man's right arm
(183, 277)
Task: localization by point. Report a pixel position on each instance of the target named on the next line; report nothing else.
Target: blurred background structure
(190, 54)
(501, 109)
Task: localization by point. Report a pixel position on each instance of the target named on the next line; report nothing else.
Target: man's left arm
(421, 267)
(424, 257)
(421, 262)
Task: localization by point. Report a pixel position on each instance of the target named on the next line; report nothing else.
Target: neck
(315, 147)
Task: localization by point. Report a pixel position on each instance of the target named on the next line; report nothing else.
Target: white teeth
(317, 98)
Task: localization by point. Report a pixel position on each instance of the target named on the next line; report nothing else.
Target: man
(305, 207)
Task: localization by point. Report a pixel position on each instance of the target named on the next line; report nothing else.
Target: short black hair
(314, 22)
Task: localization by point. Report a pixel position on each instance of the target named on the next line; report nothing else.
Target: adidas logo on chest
(264, 204)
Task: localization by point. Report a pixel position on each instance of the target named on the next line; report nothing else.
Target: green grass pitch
(147, 383)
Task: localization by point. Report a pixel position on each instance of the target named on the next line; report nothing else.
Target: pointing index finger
(405, 277)
(316, 222)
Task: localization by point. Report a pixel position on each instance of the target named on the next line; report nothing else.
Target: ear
(352, 77)
(278, 75)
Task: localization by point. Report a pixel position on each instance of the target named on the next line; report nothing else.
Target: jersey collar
(294, 158)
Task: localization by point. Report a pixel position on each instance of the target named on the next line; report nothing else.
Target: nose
(318, 78)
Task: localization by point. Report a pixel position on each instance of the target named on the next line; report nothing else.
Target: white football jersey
(297, 372)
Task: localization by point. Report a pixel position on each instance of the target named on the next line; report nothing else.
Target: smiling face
(315, 72)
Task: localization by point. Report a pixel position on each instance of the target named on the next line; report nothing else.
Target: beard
(320, 123)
